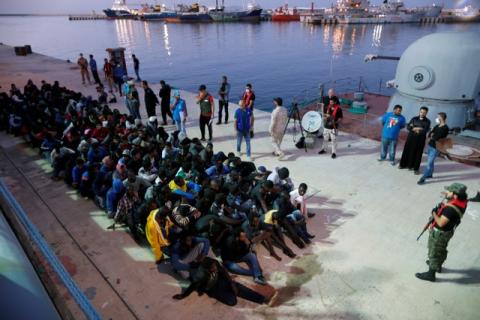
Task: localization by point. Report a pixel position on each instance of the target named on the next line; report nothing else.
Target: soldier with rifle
(445, 218)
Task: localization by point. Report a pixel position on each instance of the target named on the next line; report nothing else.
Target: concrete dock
(360, 266)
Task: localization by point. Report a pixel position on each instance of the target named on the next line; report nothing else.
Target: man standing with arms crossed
(445, 218)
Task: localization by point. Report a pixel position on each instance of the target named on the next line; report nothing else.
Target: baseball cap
(457, 188)
(261, 169)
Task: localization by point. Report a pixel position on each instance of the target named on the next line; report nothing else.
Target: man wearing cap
(445, 218)
(179, 109)
(207, 111)
(278, 122)
(150, 99)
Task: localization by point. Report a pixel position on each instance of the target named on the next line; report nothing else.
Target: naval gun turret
(440, 71)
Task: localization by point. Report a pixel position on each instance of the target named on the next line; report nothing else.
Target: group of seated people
(204, 212)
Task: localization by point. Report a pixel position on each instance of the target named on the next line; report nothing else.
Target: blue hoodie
(114, 194)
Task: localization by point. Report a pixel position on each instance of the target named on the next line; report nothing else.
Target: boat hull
(158, 16)
(118, 14)
(285, 17)
(235, 16)
(190, 18)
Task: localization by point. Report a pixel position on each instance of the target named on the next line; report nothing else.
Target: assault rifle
(430, 221)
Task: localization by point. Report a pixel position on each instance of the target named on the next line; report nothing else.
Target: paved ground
(361, 265)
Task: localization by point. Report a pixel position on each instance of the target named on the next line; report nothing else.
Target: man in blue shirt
(392, 123)
(93, 68)
(243, 124)
(179, 109)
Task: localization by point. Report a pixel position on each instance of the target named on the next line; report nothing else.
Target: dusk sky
(85, 6)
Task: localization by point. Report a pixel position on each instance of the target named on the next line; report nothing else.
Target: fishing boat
(119, 10)
(223, 14)
(156, 12)
(190, 14)
(284, 14)
(391, 11)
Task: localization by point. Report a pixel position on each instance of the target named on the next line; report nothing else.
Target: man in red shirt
(248, 100)
(332, 118)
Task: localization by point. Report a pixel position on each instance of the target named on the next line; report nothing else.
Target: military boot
(476, 198)
(428, 264)
(427, 276)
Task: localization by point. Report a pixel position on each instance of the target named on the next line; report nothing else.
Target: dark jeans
(96, 77)
(205, 121)
(222, 105)
(151, 110)
(223, 292)
(118, 81)
(166, 111)
(251, 260)
(137, 73)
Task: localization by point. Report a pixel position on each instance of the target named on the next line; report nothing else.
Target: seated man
(264, 194)
(281, 178)
(169, 152)
(185, 215)
(211, 278)
(257, 232)
(148, 172)
(157, 231)
(292, 220)
(238, 201)
(298, 199)
(126, 208)
(113, 196)
(139, 184)
(183, 188)
(237, 248)
(77, 172)
(218, 170)
(187, 254)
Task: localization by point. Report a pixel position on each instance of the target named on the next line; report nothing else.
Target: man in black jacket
(440, 131)
(164, 94)
(237, 248)
(211, 278)
(150, 99)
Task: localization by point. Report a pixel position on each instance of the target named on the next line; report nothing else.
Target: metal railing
(49, 255)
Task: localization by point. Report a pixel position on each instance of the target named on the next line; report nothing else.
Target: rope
(52, 259)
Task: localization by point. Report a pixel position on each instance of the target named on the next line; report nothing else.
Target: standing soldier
(83, 64)
(333, 116)
(136, 67)
(445, 218)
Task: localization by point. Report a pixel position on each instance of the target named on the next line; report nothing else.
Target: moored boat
(119, 10)
(155, 13)
(283, 14)
(223, 14)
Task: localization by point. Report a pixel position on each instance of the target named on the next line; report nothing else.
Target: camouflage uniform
(437, 248)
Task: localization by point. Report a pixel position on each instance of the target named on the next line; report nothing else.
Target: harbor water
(289, 60)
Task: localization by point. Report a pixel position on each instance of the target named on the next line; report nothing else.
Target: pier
(87, 17)
(363, 258)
